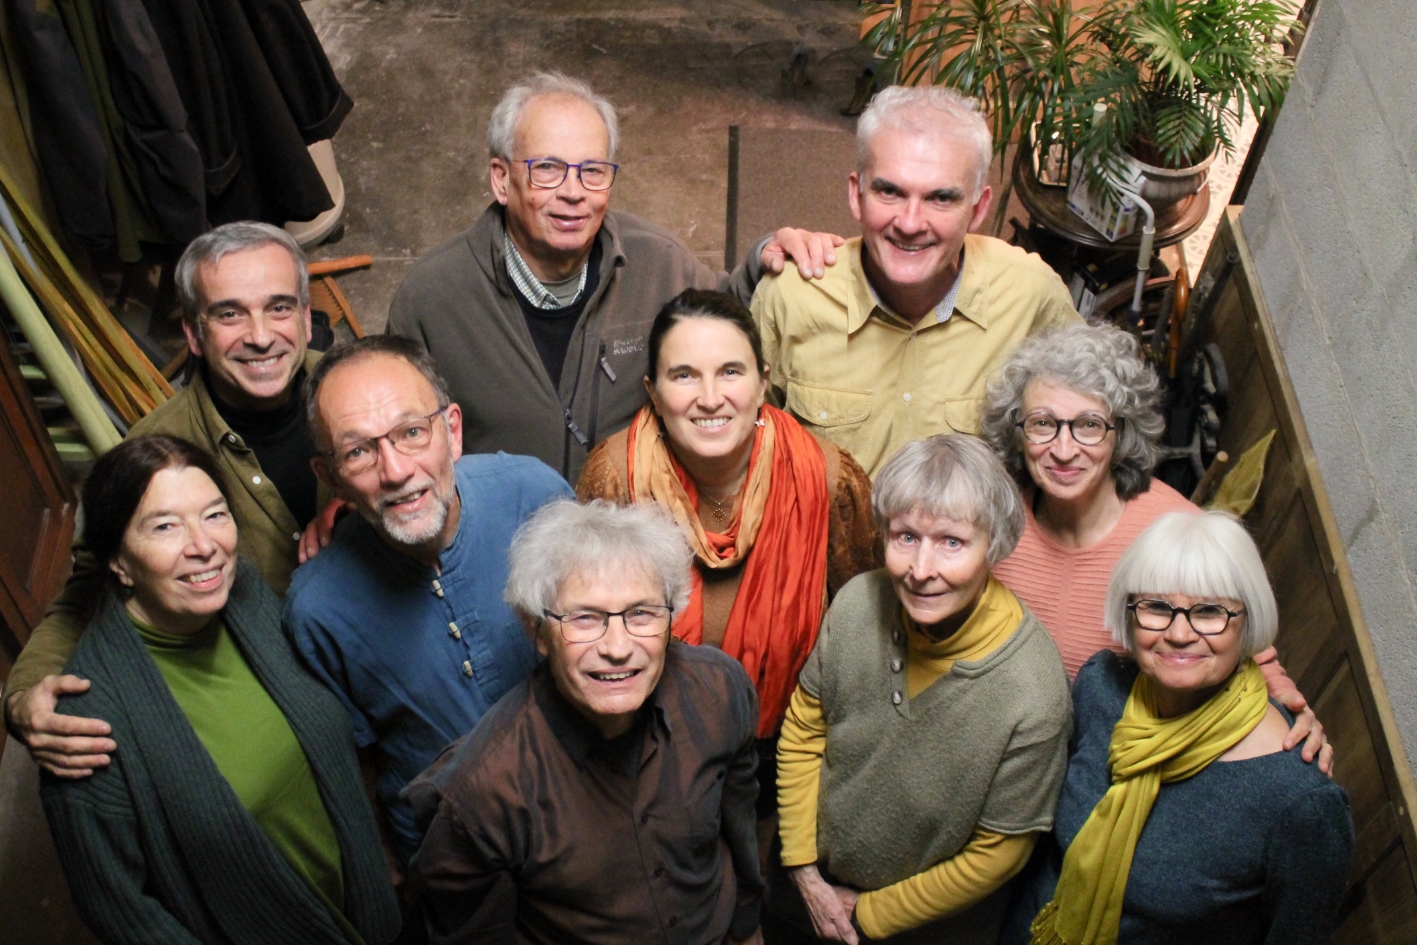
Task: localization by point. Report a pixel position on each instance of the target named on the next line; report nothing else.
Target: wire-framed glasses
(589, 625)
(1088, 429)
(409, 438)
(549, 173)
(1207, 619)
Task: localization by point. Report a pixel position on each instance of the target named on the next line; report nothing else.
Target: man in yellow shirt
(898, 339)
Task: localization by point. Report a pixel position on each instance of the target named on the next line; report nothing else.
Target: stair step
(74, 452)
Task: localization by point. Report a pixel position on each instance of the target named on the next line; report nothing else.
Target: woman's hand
(1306, 727)
(830, 906)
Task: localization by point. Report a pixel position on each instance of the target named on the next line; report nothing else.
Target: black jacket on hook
(156, 119)
(67, 136)
(258, 89)
(168, 162)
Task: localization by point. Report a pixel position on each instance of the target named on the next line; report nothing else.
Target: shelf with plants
(1174, 78)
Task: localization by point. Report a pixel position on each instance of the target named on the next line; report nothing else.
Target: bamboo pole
(153, 388)
(78, 396)
(130, 404)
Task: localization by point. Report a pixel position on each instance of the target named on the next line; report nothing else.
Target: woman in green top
(233, 810)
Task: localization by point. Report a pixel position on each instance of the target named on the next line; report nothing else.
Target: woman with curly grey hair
(1074, 415)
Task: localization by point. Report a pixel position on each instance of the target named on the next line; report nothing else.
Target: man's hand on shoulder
(64, 745)
(321, 530)
(813, 252)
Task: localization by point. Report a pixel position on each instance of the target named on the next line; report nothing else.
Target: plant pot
(1163, 187)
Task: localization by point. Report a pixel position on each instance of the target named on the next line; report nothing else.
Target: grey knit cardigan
(158, 848)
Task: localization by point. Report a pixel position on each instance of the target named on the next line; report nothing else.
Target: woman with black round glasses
(1182, 817)
(1074, 415)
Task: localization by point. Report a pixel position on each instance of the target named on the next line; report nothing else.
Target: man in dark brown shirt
(615, 787)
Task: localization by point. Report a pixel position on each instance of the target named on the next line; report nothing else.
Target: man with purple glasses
(538, 314)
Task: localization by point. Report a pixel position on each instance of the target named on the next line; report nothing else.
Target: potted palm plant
(1176, 77)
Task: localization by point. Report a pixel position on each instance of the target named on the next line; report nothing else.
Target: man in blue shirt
(402, 616)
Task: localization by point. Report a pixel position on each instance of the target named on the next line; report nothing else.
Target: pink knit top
(1066, 587)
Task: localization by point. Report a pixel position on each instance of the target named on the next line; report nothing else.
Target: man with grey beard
(402, 616)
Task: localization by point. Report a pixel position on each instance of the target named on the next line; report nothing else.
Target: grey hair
(209, 248)
(955, 113)
(956, 476)
(565, 538)
(502, 128)
(394, 346)
(1198, 554)
(1098, 361)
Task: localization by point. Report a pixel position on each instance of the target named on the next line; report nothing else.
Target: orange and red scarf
(782, 519)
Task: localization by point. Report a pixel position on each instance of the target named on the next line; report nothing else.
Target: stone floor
(425, 75)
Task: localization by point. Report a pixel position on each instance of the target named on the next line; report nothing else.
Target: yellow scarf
(996, 616)
(1147, 751)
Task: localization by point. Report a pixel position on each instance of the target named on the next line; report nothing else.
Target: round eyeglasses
(549, 173)
(589, 625)
(1207, 619)
(409, 438)
(1088, 429)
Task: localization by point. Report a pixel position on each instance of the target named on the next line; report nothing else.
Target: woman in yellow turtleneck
(926, 742)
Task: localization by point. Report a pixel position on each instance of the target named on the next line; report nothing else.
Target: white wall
(1332, 221)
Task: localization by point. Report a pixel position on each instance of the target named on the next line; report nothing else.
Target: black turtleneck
(282, 446)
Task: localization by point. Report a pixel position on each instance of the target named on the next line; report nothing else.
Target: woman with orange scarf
(778, 519)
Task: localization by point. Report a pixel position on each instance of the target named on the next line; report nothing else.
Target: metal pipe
(7, 220)
(78, 396)
(1148, 236)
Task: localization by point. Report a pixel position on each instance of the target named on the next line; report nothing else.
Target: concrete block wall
(1332, 222)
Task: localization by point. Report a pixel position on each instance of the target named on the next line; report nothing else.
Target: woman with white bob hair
(1183, 818)
(925, 744)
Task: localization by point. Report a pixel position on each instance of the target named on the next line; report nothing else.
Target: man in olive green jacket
(246, 307)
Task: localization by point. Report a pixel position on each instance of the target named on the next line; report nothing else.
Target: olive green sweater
(984, 747)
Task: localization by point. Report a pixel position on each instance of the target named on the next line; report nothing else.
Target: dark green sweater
(1244, 853)
(158, 847)
(255, 750)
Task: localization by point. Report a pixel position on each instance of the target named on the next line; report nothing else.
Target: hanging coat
(169, 166)
(299, 66)
(68, 140)
(185, 33)
(227, 51)
(132, 218)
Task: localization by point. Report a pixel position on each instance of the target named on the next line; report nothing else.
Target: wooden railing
(1323, 641)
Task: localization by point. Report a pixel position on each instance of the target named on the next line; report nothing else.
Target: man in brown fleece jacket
(538, 314)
